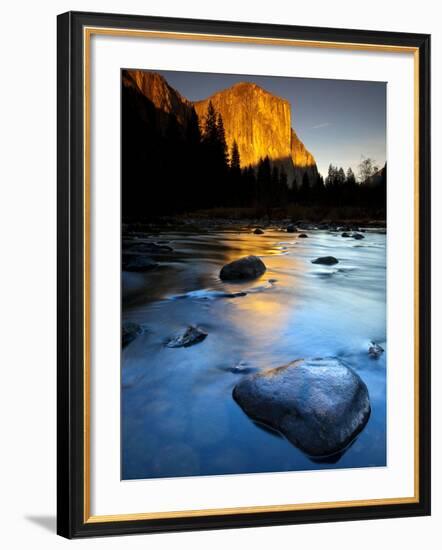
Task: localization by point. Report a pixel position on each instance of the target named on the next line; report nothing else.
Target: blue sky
(339, 121)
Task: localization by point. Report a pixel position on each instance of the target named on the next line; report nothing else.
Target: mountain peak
(259, 121)
(244, 89)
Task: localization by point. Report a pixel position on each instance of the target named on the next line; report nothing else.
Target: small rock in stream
(192, 335)
(249, 267)
(326, 260)
(129, 331)
(375, 350)
(242, 368)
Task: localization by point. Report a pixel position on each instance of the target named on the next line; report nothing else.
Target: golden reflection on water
(237, 245)
(262, 313)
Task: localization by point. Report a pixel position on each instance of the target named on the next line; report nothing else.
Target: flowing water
(178, 414)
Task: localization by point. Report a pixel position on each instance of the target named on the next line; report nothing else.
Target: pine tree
(210, 125)
(331, 176)
(331, 184)
(234, 189)
(350, 178)
(221, 141)
(192, 169)
(304, 191)
(235, 160)
(193, 132)
(214, 157)
(341, 176)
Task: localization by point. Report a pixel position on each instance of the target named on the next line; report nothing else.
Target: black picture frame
(72, 517)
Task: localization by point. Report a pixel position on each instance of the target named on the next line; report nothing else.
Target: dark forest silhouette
(169, 168)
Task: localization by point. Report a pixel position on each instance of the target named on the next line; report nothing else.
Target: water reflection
(178, 416)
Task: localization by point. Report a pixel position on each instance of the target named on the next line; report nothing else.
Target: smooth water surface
(178, 414)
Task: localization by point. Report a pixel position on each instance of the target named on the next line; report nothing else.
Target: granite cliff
(260, 122)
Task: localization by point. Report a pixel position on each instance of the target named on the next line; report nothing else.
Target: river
(178, 414)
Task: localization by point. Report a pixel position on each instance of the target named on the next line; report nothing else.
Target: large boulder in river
(325, 260)
(249, 267)
(320, 405)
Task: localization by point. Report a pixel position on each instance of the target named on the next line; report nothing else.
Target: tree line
(342, 188)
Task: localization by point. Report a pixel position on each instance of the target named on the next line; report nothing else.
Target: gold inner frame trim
(87, 34)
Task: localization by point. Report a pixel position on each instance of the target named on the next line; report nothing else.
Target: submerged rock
(242, 368)
(320, 405)
(291, 229)
(129, 331)
(258, 231)
(133, 262)
(326, 226)
(148, 248)
(375, 350)
(192, 335)
(249, 267)
(305, 226)
(358, 236)
(303, 235)
(326, 260)
(207, 294)
(345, 234)
(239, 294)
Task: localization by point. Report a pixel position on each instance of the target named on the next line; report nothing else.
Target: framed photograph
(243, 274)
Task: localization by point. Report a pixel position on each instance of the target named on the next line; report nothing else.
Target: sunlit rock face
(260, 123)
(155, 88)
(257, 120)
(303, 160)
(300, 154)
